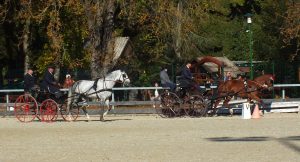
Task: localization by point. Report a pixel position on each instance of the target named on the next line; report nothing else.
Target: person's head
(30, 71)
(228, 74)
(51, 68)
(156, 84)
(164, 68)
(68, 76)
(189, 64)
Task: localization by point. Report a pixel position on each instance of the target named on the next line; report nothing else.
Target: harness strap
(95, 84)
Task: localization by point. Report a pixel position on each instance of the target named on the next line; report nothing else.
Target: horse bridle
(261, 85)
(124, 76)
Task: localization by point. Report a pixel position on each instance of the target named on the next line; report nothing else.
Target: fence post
(7, 102)
(283, 94)
(113, 101)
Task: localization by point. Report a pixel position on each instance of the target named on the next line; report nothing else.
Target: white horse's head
(123, 78)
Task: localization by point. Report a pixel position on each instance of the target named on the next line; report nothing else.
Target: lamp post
(249, 22)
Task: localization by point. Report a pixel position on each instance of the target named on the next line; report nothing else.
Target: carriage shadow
(94, 120)
(285, 141)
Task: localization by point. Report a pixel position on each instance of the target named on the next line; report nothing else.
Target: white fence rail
(284, 86)
(114, 103)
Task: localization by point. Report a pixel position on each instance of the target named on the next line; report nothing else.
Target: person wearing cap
(29, 81)
(165, 80)
(68, 81)
(49, 82)
(186, 78)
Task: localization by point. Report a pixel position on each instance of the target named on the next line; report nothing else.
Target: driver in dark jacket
(49, 82)
(187, 78)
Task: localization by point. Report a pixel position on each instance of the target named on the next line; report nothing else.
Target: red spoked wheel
(48, 110)
(25, 108)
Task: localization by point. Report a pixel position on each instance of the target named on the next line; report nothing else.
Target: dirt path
(276, 137)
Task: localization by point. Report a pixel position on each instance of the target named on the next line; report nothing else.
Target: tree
(291, 28)
(100, 19)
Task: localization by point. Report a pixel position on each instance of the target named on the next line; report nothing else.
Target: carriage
(199, 104)
(45, 106)
(188, 102)
(183, 102)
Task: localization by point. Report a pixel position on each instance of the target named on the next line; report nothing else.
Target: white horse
(99, 89)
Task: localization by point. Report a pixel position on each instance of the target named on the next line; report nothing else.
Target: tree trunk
(1, 77)
(25, 45)
(178, 27)
(101, 27)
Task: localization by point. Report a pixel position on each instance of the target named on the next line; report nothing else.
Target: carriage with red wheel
(45, 106)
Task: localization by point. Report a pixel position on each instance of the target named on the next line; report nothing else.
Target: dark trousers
(172, 86)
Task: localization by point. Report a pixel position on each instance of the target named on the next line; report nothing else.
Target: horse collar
(95, 84)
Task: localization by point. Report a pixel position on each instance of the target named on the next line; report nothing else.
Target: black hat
(163, 68)
(51, 66)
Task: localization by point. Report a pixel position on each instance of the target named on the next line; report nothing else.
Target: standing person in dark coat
(49, 82)
(29, 81)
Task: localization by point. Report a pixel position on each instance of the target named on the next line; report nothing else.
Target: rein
(247, 91)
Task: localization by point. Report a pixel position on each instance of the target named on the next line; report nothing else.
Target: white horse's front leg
(103, 108)
(107, 105)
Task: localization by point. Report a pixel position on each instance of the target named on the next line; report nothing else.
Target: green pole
(251, 51)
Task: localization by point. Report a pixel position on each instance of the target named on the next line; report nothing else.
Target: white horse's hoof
(88, 118)
(101, 118)
(69, 118)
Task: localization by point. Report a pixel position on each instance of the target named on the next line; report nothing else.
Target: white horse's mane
(112, 74)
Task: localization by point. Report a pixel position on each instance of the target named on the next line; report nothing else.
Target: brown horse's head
(266, 80)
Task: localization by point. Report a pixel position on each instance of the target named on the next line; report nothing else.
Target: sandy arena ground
(275, 137)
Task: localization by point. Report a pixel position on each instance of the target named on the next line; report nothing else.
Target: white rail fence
(274, 106)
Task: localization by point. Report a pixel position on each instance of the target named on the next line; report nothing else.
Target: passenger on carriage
(29, 82)
(68, 82)
(165, 80)
(228, 76)
(49, 84)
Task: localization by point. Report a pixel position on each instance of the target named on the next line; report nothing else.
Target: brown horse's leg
(226, 104)
(215, 106)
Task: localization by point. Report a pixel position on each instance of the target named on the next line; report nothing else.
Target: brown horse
(249, 89)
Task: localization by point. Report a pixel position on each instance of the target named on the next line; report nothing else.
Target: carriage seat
(45, 90)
